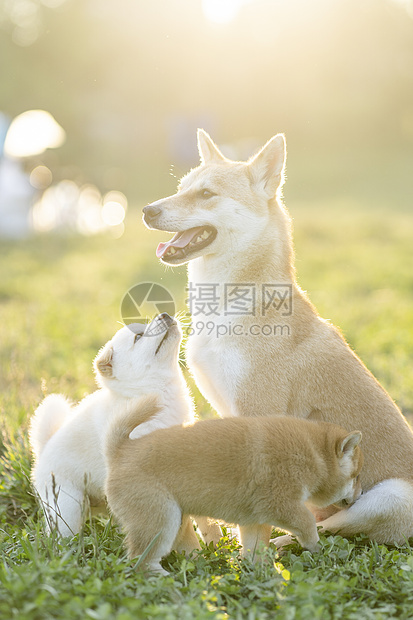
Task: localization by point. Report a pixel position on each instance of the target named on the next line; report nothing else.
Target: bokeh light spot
(113, 213)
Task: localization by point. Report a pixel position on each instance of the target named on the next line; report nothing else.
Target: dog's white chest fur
(218, 368)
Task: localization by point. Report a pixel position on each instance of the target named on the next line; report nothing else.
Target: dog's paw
(314, 548)
(154, 568)
(282, 541)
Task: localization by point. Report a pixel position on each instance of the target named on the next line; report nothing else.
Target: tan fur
(251, 471)
(146, 409)
(307, 371)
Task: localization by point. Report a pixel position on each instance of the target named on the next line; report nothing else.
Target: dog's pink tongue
(180, 240)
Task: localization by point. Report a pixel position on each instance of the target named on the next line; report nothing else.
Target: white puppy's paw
(145, 428)
(282, 541)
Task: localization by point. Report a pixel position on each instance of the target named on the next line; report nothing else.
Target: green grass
(60, 301)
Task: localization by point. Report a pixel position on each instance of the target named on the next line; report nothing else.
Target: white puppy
(70, 470)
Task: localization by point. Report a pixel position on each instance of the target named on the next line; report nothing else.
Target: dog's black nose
(151, 211)
(166, 319)
(164, 315)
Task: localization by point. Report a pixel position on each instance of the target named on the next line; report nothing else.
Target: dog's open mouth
(185, 243)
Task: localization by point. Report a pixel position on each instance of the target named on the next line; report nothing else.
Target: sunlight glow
(408, 5)
(221, 11)
(31, 133)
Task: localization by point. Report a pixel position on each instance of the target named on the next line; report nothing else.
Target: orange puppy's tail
(121, 427)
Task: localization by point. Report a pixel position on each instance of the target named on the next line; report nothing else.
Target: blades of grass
(147, 550)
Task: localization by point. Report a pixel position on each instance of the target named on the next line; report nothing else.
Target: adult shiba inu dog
(234, 232)
(251, 471)
(67, 440)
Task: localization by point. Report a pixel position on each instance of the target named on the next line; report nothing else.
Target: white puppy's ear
(348, 444)
(266, 169)
(208, 150)
(103, 362)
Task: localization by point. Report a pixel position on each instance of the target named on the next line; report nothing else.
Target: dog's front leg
(209, 529)
(301, 524)
(254, 538)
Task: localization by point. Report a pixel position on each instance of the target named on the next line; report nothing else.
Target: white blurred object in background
(16, 196)
(66, 207)
(31, 133)
(63, 207)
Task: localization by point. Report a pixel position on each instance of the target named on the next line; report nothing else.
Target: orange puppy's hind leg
(254, 538)
(186, 540)
(152, 531)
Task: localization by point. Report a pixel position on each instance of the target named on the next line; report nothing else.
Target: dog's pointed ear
(267, 168)
(103, 362)
(346, 446)
(208, 150)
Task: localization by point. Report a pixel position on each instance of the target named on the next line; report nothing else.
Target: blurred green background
(130, 81)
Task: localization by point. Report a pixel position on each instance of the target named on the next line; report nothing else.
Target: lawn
(60, 301)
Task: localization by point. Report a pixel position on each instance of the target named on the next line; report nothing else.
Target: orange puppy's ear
(346, 446)
(103, 362)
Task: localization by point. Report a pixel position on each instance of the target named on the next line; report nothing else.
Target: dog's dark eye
(137, 336)
(206, 193)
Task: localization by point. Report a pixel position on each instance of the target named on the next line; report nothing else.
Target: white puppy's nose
(166, 318)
